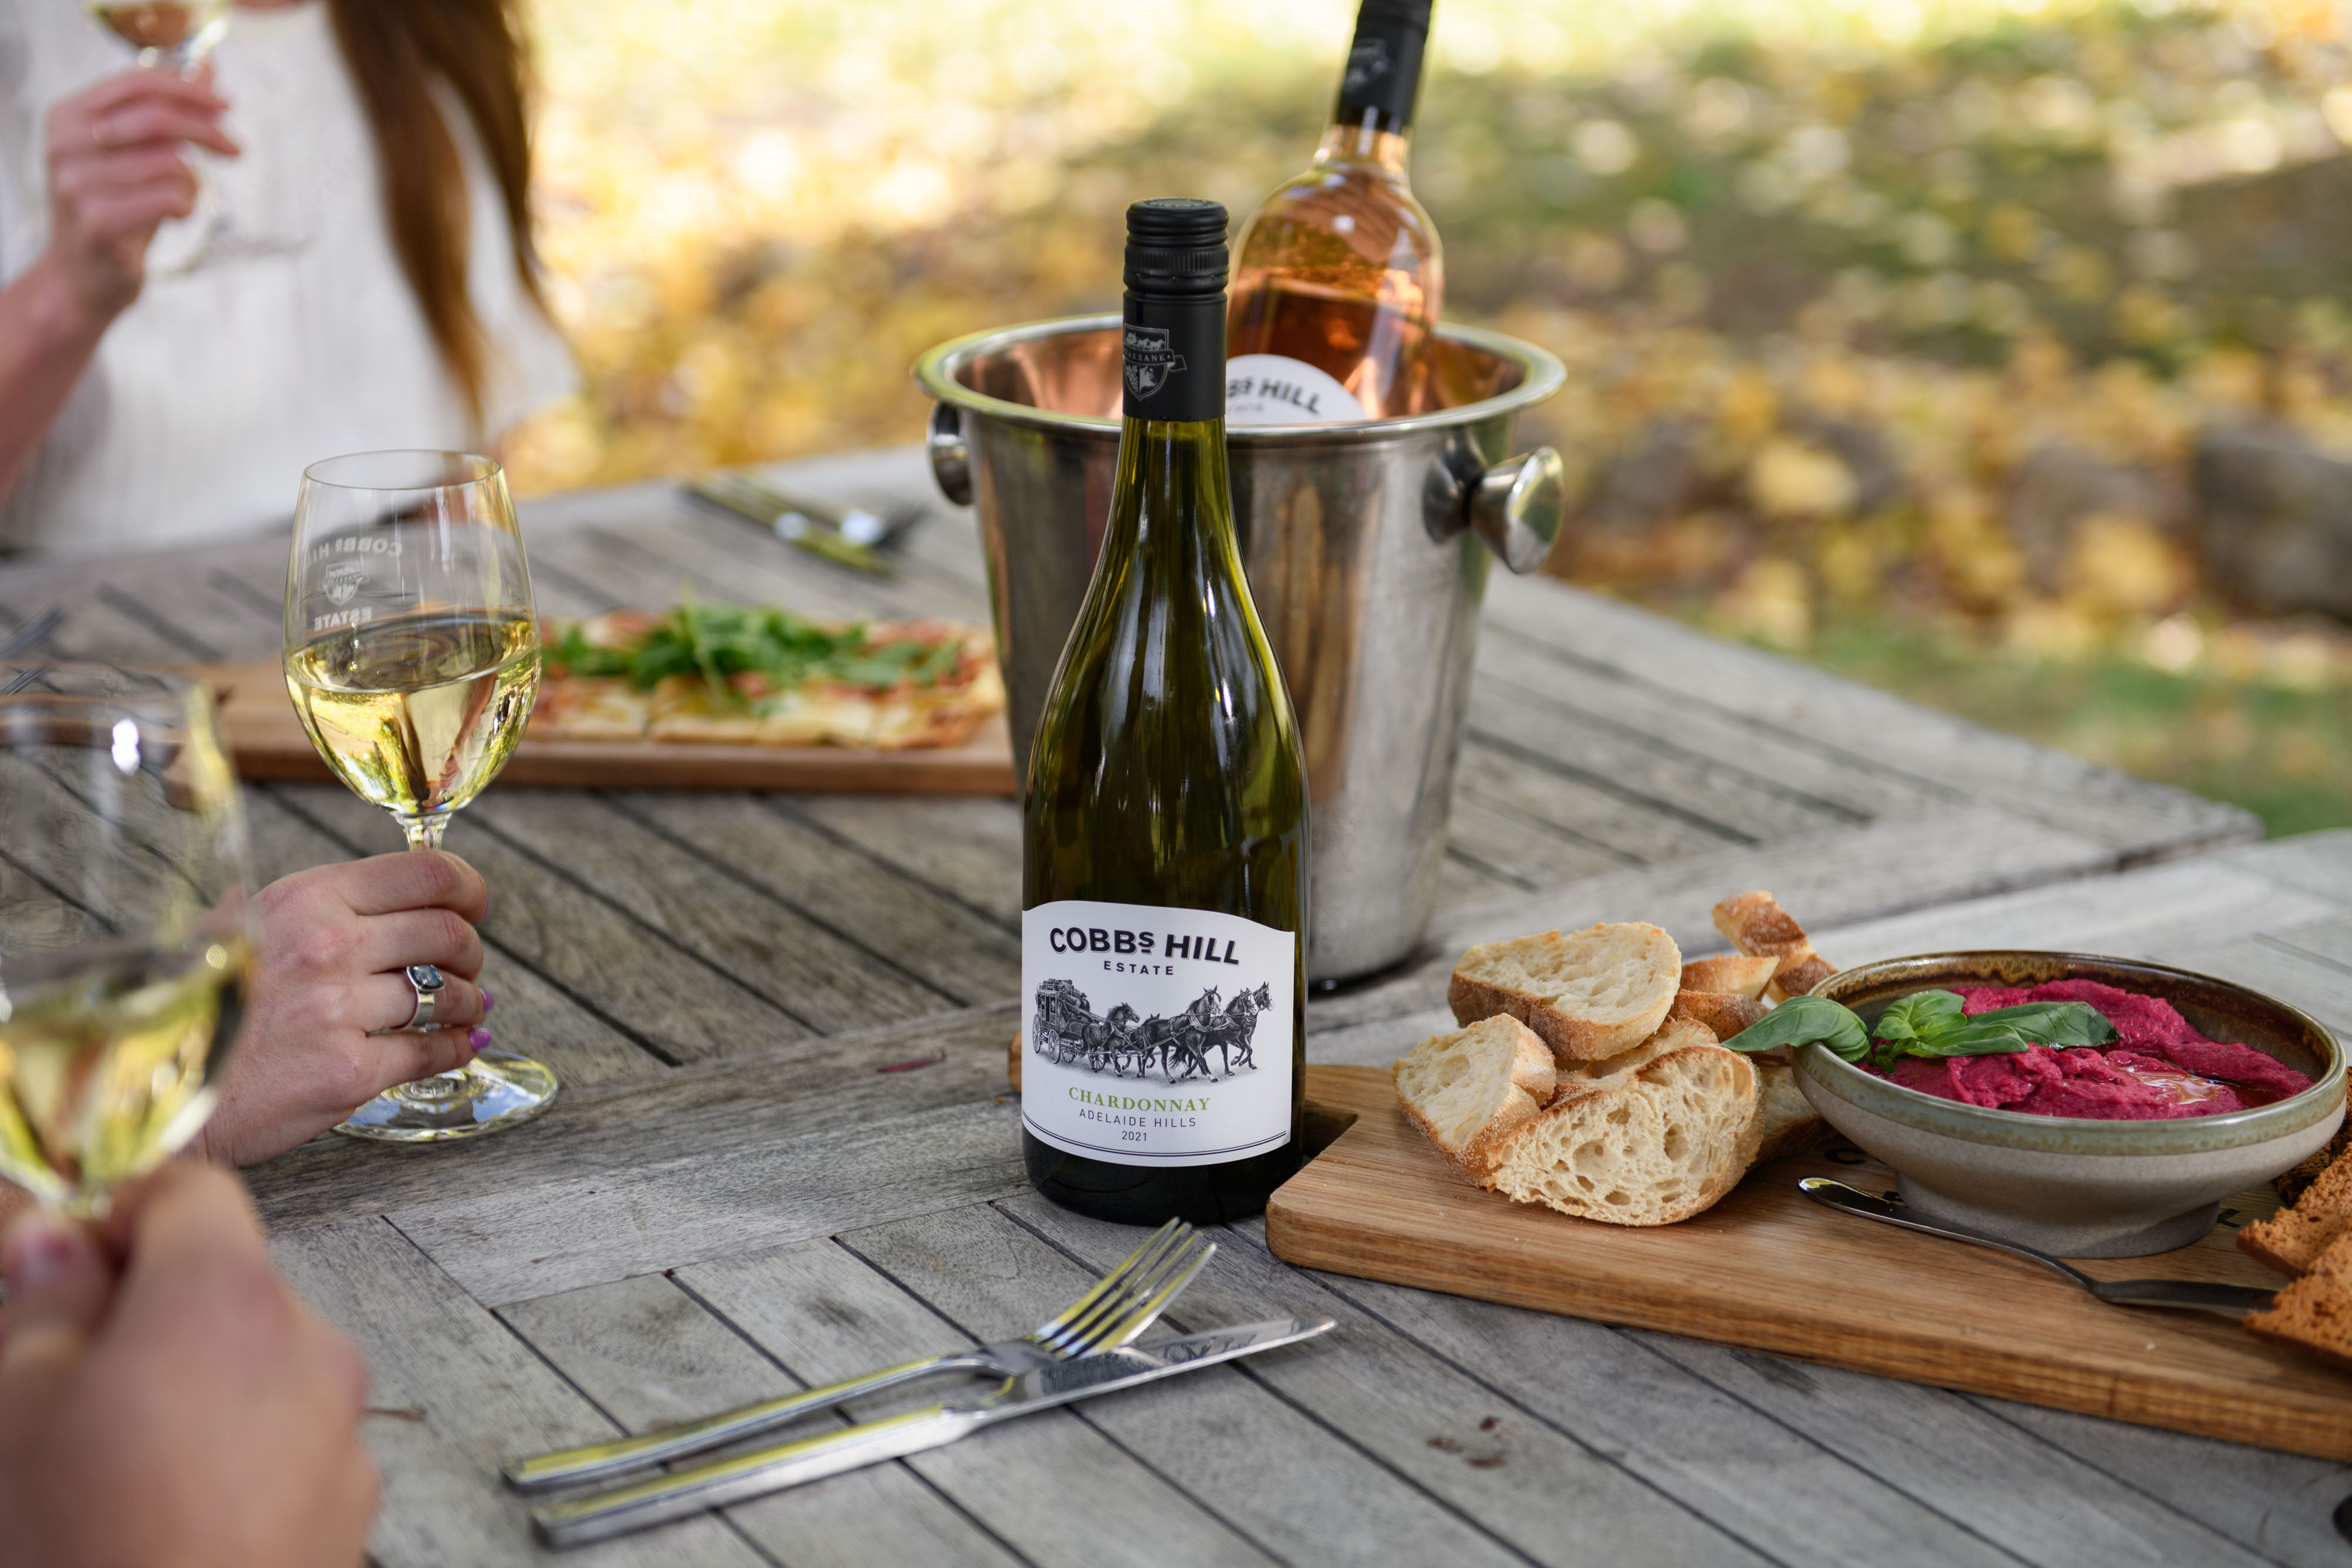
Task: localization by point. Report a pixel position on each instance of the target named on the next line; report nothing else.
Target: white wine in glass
(174, 33)
(412, 655)
(123, 945)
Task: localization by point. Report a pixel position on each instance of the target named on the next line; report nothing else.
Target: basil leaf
(1801, 1020)
(2055, 1024)
(1919, 1016)
(1975, 1038)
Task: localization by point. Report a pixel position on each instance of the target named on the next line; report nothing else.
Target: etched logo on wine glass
(341, 581)
(1150, 360)
(1206, 1040)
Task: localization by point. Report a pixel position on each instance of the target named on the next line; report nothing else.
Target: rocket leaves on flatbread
(723, 642)
(1929, 1024)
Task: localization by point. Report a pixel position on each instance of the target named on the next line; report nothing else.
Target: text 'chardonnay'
(1164, 875)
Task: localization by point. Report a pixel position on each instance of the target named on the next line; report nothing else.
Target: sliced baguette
(2314, 1313)
(1724, 1013)
(1653, 1136)
(2292, 1240)
(1785, 1121)
(1589, 996)
(1469, 1091)
(1732, 974)
(1758, 926)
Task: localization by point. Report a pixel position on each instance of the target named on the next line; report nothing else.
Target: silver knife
(2188, 1295)
(664, 1498)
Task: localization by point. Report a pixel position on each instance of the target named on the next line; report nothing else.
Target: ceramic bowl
(2077, 1188)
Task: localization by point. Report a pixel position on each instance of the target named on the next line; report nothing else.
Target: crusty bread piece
(1650, 1137)
(1724, 1013)
(2314, 1314)
(1786, 1123)
(2292, 1240)
(1757, 925)
(1589, 996)
(1469, 1091)
(2297, 1181)
(1732, 974)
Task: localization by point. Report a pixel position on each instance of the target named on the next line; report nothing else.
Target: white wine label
(1268, 389)
(1156, 1036)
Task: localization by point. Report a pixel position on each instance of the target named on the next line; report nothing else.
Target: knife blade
(2186, 1295)
(601, 1515)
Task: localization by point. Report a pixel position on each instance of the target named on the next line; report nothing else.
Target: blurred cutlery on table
(849, 536)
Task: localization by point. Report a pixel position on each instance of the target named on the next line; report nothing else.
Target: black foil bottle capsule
(1164, 829)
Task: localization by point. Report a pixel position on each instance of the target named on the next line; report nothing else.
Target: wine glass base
(493, 1091)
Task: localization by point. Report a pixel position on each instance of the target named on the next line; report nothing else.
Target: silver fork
(1122, 1304)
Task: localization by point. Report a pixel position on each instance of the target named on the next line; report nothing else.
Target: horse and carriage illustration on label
(1067, 1031)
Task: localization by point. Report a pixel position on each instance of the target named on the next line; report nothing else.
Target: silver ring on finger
(428, 985)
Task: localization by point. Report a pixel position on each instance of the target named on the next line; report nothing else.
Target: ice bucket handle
(951, 454)
(1517, 506)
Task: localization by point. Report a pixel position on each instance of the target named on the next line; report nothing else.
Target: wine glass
(175, 35)
(123, 941)
(412, 655)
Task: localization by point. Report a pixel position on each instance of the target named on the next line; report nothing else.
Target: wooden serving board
(267, 741)
(1769, 1267)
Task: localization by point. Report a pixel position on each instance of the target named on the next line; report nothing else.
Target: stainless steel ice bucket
(1366, 550)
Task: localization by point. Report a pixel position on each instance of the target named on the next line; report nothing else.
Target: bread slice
(2297, 1181)
(2314, 1314)
(1654, 1136)
(1589, 996)
(2292, 1240)
(1723, 1013)
(1758, 926)
(1785, 1121)
(1731, 973)
(1469, 1091)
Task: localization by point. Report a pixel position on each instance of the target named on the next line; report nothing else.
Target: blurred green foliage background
(1997, 353)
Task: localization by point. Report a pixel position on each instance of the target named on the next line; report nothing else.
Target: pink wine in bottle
(1337, 276)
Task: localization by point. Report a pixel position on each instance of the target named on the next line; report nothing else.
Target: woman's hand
(183, 1406)
(116, 173)
(331, 947)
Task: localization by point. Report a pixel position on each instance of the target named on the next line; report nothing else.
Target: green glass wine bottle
(1164, 853)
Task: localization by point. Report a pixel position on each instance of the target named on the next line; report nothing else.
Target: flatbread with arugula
(745, 674)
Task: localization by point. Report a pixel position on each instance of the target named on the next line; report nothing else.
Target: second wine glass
(412, 655)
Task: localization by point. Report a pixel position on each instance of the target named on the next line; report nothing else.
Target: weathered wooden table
(785, 1151)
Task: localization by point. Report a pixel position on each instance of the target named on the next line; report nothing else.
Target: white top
(296, 337)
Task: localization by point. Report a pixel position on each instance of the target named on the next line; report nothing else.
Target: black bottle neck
(1382, 80)
(1173, 357)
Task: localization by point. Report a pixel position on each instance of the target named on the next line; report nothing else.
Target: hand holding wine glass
(123, 925)
(115, 173)
(412, 655)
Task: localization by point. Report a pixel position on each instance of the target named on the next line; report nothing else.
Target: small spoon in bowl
(2188, 1295)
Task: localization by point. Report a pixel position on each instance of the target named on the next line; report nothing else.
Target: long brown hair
(394, 49)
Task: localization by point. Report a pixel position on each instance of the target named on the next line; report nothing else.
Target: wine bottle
(1338, 276)
(1164, 829)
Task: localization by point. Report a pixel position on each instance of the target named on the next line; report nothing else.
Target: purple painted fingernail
(488, 1001)
(479, 1039)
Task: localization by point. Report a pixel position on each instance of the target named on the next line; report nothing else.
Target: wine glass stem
(424, 831)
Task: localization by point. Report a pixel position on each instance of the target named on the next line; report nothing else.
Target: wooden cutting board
(1770, 1269)
(268, 741)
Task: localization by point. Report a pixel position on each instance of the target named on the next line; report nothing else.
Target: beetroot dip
(2158, 1069)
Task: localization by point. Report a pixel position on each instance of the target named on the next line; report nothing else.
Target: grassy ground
(2282, 754)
